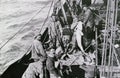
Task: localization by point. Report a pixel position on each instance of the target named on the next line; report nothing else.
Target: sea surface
(19, 15)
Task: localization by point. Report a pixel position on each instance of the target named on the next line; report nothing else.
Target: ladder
(109, 40)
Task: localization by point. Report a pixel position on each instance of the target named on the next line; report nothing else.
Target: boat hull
(16, 69)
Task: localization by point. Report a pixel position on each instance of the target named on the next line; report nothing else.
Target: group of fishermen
(73, 32)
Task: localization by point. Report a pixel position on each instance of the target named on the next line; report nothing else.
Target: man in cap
(39, 56)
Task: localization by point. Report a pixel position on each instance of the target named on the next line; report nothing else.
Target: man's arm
(40, 50)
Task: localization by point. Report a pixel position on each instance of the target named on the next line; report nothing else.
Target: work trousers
(34, 70)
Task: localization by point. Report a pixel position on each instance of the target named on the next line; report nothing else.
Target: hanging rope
(22, 27)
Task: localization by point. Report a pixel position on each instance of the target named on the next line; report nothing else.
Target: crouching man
(39, 56)
(50, 64)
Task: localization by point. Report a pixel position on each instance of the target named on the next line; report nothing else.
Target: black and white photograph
(59, 39)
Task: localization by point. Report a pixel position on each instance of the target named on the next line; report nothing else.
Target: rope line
(28, 50)
(41, 28)
(22, 27)
(47, 16)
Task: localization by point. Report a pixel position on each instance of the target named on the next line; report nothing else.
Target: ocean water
(14, 14)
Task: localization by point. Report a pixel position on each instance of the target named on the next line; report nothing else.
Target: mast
(109, 39)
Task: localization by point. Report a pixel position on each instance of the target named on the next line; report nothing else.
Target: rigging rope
(105, 43)
(46, 21)
(22, 27)
(111, 18)
(47, 16)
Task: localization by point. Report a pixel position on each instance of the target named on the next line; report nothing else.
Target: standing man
(39, 56)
